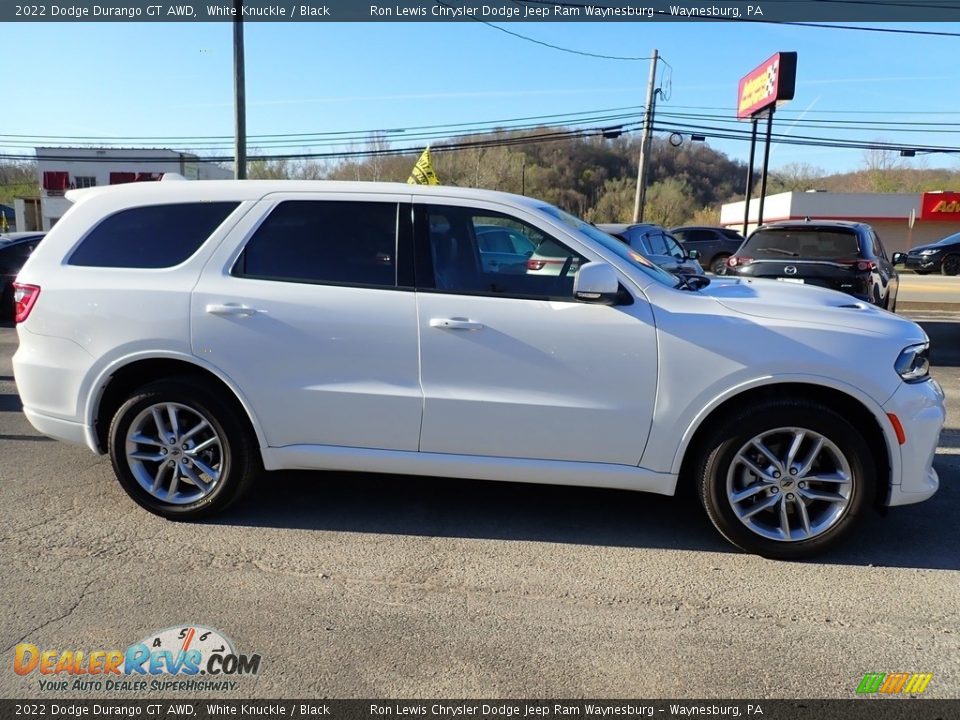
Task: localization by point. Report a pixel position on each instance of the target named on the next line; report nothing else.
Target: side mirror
(596, 282)
(898, 258)
(693, 254)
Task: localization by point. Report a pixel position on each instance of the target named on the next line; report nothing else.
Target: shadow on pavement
(918, 536)
(944, 342)
(10, 403)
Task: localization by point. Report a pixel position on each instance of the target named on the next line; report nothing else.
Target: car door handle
(231, 309)
(455, 324)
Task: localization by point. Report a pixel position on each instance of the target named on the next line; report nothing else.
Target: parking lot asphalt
(353, 585)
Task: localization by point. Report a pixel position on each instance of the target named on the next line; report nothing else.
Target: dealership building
(902, 220)
(60, 169)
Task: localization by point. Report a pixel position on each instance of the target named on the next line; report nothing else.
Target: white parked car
(200, 332)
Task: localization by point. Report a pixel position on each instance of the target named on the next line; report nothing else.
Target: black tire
(923, 272)
(238, 457)
(723, 445)
(718, 266)
(950, 265)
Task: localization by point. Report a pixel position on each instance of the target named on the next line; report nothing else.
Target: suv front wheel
(180, 451)
(785, 480)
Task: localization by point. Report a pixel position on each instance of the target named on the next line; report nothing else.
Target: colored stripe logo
(894, 683)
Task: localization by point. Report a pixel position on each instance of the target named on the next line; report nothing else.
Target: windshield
(609, 242)
(806, 243)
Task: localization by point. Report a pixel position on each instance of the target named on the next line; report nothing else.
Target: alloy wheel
(175, 453)
(789, 484)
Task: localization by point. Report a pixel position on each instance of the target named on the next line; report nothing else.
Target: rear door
(311, 312)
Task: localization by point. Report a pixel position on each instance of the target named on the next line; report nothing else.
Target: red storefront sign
(940, 206)
(772, 82)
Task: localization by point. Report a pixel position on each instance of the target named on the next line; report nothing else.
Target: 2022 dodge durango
(202, 332)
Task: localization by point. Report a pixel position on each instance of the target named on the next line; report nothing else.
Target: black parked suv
(15, 248)
(715, 245)
(843, 256)
(942, 256)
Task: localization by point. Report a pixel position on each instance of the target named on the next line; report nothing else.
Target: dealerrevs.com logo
(183, 658)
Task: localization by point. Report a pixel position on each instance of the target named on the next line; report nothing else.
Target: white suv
(200, 332)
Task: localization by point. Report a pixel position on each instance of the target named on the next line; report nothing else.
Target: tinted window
(457, 255)
(153, 236)
(826, 243)
(695, 235)
(322, 241)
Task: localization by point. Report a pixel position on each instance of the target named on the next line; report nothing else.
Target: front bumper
(922, 262)
(921, 410)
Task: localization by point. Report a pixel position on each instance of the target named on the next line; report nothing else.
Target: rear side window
(813, 243)
(152, 236)
(321, 241)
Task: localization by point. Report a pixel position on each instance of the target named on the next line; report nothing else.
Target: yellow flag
(422, 173)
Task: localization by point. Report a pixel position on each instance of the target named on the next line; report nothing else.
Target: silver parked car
(658, 245)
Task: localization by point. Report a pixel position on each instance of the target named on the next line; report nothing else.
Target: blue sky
(172, 80)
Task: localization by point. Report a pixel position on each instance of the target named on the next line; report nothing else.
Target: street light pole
(239, 96)
(640, 198)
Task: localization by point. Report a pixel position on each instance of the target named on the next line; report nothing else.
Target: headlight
(929, 252)
(913, 364)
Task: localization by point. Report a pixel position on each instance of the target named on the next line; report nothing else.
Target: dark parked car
(715, 245)
(942, 256)
(658, 245)
(843, 256)
(15, 248)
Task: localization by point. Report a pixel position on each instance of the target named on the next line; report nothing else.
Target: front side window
(610, 243)
(151, 236)
(324, 241)
(476, 251)
(673, 247)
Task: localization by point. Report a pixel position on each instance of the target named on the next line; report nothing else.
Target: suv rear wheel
(180, 451)
(785, 480)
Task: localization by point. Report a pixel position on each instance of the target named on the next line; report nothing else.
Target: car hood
(931, 246)
(806, 303)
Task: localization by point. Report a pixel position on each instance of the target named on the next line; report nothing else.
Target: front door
(511, 366)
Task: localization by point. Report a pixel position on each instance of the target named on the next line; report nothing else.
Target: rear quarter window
(151, 236)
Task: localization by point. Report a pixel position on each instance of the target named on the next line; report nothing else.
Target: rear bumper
(66, 430)
(921, 410)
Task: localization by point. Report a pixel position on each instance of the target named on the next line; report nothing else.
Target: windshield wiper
(778, 250)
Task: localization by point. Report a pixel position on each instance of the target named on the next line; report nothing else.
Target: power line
(585, 116)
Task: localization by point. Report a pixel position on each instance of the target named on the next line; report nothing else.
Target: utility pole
(641, 196)
(239, 96)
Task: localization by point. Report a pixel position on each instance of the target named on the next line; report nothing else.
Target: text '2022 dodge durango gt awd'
(201, 332)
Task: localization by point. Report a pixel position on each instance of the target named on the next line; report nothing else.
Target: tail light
(24, 298)
(864, 265)
(535, 264)
(733, 261)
